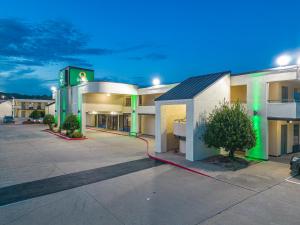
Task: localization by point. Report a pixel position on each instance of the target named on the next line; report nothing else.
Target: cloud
(38, 44)
(151, 56)
(27, 48)
(33, 86)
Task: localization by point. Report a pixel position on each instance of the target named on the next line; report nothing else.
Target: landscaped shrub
(49, 120)
(71, 124)
(230, 127)
(76, 134)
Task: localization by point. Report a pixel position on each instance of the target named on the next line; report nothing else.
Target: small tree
(71, 123)
(35, 114)
(49, 119)
(230, 127)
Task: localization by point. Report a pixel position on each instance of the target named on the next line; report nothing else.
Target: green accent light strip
(133, 127)
(63, 105)
(258, 151)
(79, 107)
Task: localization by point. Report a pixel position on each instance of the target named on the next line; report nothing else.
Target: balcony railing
(146, 109)
(283, 108)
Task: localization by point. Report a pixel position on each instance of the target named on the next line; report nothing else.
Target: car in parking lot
(295, 164)
(8, 119)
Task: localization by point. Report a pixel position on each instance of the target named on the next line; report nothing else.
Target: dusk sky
(134, 41)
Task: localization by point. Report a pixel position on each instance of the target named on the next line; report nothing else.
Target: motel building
(21, 109)
(175, 114)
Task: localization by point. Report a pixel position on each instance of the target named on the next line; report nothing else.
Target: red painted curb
(155, 157)
(63, 136)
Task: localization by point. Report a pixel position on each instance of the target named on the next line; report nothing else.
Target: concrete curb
(63, 136)
(199, 172)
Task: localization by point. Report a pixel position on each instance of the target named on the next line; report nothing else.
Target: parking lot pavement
(160, 195)
(27, 153)
(277, 206)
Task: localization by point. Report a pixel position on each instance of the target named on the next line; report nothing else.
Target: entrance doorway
(283, 139)
(112, 122)
(124, 124)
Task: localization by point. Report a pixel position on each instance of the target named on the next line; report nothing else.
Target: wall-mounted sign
(72, 76)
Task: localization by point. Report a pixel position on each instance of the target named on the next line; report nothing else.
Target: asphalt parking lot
(132, 190)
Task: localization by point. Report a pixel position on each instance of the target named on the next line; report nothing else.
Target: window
(127, 102)
(284, 94)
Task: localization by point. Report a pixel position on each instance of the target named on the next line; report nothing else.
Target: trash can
(295, 165)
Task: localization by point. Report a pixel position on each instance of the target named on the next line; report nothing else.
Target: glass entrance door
(112, 122)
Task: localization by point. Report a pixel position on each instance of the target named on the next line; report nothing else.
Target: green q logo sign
(82, 76)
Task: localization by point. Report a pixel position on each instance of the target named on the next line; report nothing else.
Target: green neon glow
(257, 152)
(79, 107)
(63, 105)
(133, 127)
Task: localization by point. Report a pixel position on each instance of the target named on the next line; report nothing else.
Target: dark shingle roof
(191, 87)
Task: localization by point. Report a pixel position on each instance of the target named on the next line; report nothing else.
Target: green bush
(35, 114)
(76, 134)
(49, 119)
(71, 124)
(230, 127)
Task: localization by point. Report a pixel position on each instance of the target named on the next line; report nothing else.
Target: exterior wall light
(255, 112)
(53, 89)
(156, 81)
(283, 60)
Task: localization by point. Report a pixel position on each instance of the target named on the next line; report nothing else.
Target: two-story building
(22, 108)
(175, 114)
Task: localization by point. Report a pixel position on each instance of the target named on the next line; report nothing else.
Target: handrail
(283, 100)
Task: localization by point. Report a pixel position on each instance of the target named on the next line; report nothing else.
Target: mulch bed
(230, 164)
(64, 136)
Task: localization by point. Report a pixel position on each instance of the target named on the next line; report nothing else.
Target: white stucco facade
(261, 92)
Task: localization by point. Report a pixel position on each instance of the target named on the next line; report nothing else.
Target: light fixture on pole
(53, 89)
(156, 81)
(283, 60)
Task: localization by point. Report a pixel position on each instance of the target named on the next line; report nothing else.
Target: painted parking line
(291, 181)
(24, 191)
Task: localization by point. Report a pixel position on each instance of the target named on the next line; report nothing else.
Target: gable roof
(190, 87)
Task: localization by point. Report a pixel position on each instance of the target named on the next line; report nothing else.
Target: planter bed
(64, 136)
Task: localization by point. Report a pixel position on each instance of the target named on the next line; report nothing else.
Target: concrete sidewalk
(257, 177)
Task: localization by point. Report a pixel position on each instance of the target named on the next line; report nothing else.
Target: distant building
(23, 107)
(50, 108)
(5, 109)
